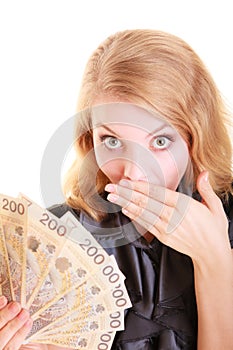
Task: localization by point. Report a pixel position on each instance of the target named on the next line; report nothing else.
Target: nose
(136, 157)
(133, 171)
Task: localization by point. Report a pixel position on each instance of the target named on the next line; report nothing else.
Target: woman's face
(131, 143)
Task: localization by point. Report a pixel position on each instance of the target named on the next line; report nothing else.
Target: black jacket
(159, 281)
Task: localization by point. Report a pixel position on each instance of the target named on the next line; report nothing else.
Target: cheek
(112, 168)
(172, 168)
(169, 171)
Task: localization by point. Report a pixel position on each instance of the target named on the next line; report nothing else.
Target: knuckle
(165, 213)
(161, 236)
(5, 316)
(9, 346)
(138, 211)
(2, 320)
(157, 192)
(151, 218)
(141, 201)
(23, 331)
(151, 228)
(14, 325)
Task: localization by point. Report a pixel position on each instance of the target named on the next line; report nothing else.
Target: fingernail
(3, 300)
(125, 211)
(110, 188)
(112, 197)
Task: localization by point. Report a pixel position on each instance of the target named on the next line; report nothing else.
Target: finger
(179, 213)
(170, 206)
(161, 231)
(168, 218)
(209, 197)
(140, 205)
(3, 301)
(37, 346)
(149, 209)
(161, 194)
(141, 213)
(15, 331)
(124, 196)
(145, 218)
(136, 213)
(153, 228)
(20, 336)
(9, 312)
(140, 200)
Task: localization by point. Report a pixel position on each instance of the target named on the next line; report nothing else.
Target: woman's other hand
(15, 324)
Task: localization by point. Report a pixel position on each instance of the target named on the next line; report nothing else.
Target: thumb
(209, 197)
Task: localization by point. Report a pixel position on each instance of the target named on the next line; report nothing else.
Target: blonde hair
(160, 72)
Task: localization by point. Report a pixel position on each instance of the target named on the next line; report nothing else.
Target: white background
(44, 46)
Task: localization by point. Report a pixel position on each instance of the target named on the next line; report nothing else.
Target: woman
(152, 137)
(165, 79)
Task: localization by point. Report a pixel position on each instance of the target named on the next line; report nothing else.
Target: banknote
(80, 235)
(108, 265)
(73, 289)
(87, 248)
(68, 270)
(88, 341)
(42, 248)
(14, 223)
(96, 320)
(5, 280)
(75, 232)
(108, 286)
(97, 311)
(118, 293)
(56, 312)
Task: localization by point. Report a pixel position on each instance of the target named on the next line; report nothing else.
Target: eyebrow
(108, 129)
(161, 127)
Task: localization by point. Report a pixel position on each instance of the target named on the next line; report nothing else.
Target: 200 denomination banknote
(73, 289)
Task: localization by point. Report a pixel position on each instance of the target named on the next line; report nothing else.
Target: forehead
(126, 113)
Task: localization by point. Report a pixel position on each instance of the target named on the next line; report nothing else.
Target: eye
(161, 142)
(111, 142)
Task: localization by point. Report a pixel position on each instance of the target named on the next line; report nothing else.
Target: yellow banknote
(94, 319)
(105, 289)
(90, 341)
(80, 246)
(107, 264)
(74, 290)
(5, 280)
(67, 271)
(73, 300)
(43, 247)
(96, 310)
(14, 223)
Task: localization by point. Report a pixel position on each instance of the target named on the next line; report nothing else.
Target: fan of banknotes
(73, 289)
